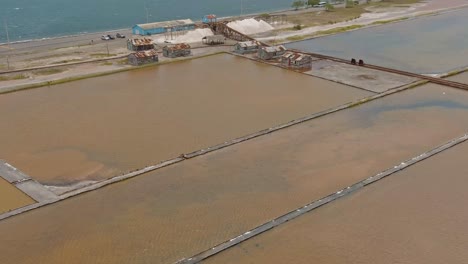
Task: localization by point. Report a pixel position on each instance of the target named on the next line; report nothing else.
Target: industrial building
(214, 40)
(246, 47)
(163, 27)
(177, 50)
(296, 60)
(209, 19)
(140, 44)
(268, 53)
(143, 57)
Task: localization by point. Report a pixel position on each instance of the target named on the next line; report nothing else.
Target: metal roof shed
(163, 27)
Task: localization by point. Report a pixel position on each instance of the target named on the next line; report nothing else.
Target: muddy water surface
(430, 44)
(180, 210)
(11, 197)
(98, 128)
(462, 78)
(416, 216)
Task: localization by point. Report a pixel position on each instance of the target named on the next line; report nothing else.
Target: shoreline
(81, 34)
(89, 33)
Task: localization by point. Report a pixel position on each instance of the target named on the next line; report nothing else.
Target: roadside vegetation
(66, 61)
(13, 77)
(382, 22)
(396, 2)
(317, 18)
(324, 32)
(333, 15)
(107, 63)
(48, 71)
(103, 55)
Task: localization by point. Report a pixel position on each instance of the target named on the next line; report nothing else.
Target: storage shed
(163, 27)
(296, 60)
(177, 50)
(140, 44)
(214, 40)
(143, 57)
(246, 47)
(268, 53)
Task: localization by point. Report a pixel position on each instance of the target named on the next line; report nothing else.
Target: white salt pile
(189, 37)
(250, 26)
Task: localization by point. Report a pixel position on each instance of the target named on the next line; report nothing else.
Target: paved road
(56, 43)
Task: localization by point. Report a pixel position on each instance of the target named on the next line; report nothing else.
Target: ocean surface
(428, 45)
(32, 19)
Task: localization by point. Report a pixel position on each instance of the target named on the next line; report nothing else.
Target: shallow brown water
(11, 197)
(416, 216)
(97, 128)
(180, 210)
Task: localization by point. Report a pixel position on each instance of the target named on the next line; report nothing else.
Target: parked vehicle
(320, 4)
(111, 37)
(118, 35)
(105, 37)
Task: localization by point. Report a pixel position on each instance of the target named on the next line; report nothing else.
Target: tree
(297, 4)
(349, 3)
(329, 7)
(313, 2)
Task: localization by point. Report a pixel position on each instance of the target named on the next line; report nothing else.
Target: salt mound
(250, 26)
(189, 37)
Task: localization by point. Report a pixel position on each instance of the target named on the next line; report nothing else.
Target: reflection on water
(98, 128)
(180, 210)
(416, 216)
(433, 44)
(11, 197)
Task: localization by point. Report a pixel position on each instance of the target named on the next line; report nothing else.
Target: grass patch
(338, 30)
(382, 22)
(107, 63)
(48, 71)
(122, 62)
(102, 55)
(296, 38)
(317, 18)
(397, 3)
(66, 61)
(13, 77)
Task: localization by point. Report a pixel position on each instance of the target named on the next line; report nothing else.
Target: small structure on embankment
(246, 47)
(269, 53)
(163, 27)
(295, 60)
(143, 57)
(209, 19)
(214, 40)
(177, 50)
(140, 44)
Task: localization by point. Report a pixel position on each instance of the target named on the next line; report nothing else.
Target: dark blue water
(31, 19)
(433, 44)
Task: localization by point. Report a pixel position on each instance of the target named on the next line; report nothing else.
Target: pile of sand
(250, 26)
(189, 37)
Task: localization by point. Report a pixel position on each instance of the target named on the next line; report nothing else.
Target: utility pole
(108, 53)
(8, 41)
(7, 34)
(242, 7)
(147, 13)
